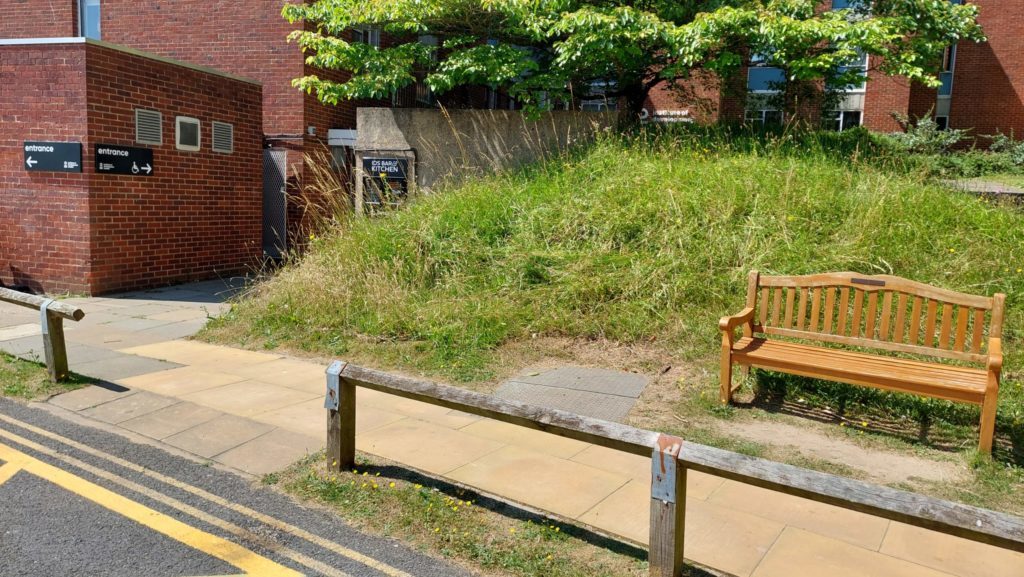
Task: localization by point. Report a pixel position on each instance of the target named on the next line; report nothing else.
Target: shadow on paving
(513, 511)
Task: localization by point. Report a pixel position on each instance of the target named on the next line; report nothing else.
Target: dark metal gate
(275, 205)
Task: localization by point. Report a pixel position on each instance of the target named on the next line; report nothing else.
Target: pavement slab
(88, 397)
(121, 366)
(170, 420)
(12, 332)
(248, 398)
(425, 446)
(217, 435)
(181, 381)
(527, 438)
(196, 353)
(850, 526)
(800, 552)
(596, 405)
(310, 418)
(947, 553)
(557, 485)
(602, 381)
(127, 408)
(271, 452)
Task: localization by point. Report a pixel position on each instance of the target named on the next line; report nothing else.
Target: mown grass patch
(30, 381)
(451, 522)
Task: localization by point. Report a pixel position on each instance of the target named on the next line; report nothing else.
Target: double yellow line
(215, 546)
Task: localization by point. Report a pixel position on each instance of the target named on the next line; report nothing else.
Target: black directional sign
(116, 159)
(53, 156)
(387, 168)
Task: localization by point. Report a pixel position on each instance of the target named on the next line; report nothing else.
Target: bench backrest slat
(885, 312)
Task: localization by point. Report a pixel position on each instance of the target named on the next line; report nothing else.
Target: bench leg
(988, 419)
(725, 390)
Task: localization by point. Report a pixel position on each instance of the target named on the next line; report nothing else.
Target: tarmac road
(75, 500)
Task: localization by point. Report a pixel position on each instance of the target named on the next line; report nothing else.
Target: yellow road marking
(253, 564)
(8, 470)
(265, 519)
(240, 532)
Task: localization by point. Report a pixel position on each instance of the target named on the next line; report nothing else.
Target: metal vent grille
(148, 127)
(223, 137)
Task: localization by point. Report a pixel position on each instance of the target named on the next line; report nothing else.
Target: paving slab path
(260, 411)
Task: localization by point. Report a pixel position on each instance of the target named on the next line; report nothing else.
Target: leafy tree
(542, 51)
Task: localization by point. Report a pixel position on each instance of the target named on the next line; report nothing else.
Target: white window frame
(367, 35)
(952, 72)
(841, 113)
(177, 134)
(161, 127)
(82, 5)
(213, 141)
(760, 113)
(759, 61)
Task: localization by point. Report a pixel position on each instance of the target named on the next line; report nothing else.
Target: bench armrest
(743, 317)
(995, 354)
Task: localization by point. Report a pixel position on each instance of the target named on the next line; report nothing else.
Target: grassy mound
(644, 238)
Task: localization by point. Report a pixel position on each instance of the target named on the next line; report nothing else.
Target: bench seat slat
(931, 379)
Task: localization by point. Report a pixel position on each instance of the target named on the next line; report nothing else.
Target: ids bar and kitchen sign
(386, 168)
(53, 156)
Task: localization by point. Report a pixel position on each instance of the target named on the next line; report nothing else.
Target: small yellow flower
(375, 486)
(1020, 270)
(790, 218)
(365, 473)
(952, 250)
(455, 508)
(437, 529)
(842, 424)
(512, 530)
(391, 485)
(549, 557)
(334, 464)
(863, 423)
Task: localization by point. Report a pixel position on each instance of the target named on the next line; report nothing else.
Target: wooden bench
(885, 313)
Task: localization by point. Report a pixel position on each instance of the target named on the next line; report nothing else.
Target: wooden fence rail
(52, 315)
(671, 458)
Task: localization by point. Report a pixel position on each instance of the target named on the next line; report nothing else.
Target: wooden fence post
(340, 403)
(668, 508)
(54, 346)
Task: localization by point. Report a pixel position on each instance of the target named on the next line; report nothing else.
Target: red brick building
(983, 87)
(91, 230)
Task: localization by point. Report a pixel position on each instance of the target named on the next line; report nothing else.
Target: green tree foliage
(542, 51)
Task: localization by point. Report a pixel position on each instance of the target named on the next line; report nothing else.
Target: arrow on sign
(31, 162)
(147, 168)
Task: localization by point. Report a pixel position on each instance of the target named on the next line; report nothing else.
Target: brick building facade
(983, 87)
(197, 215)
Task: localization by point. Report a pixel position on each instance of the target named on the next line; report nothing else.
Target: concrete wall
(465, 143)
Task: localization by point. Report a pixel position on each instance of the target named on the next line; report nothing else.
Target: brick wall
(242, 37)
(200, 214)
(988, 80)
(44, 219)
(38, 19)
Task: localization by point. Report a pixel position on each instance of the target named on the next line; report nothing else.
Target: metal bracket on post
(340, 402)
(43, 316)
(668, 508)
(331, 399)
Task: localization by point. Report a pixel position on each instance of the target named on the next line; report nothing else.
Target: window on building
(223, 137)
(764, 118)
(840, 120)
(860, 65)
(89, 18)
(424, 95)
(946, 73)
(367, 34)
(765, 79)
(149, 127)
(186, 135)
(598, 99)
